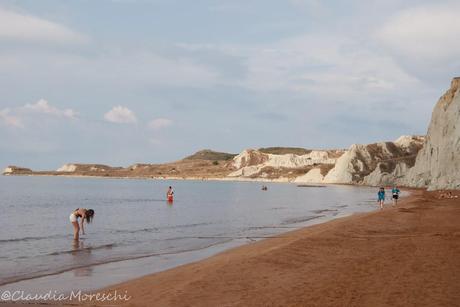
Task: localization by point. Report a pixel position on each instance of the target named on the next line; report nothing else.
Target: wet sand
(404, 256)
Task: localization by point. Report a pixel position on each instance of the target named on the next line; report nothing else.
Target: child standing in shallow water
(381, 197)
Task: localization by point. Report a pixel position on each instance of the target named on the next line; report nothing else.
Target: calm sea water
(134, 220)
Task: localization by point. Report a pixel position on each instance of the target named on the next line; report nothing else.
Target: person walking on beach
(395, 192)
(84, 214)
(170, 194)
(381, 197)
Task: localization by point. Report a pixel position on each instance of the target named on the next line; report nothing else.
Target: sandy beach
(404, 256)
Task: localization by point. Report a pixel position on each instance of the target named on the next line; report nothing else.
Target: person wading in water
(170, 194)
(84, 214)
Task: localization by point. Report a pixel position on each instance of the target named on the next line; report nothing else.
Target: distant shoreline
(279, 180)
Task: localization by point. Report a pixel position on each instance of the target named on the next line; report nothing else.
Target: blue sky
(126, 81)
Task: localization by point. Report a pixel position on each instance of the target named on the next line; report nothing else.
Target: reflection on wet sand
(77, 248)
(84, 271)
(76, 245)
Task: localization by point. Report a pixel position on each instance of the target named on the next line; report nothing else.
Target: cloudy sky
(125, 81)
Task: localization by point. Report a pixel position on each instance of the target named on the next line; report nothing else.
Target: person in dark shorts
(395, 192)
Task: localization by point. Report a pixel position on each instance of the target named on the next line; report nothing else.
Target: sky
(126, 81)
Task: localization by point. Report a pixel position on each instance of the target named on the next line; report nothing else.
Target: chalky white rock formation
(438, 163)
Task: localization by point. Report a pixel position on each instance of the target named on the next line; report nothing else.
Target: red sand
(405, 256)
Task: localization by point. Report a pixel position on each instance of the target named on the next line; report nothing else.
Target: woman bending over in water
(84, 214)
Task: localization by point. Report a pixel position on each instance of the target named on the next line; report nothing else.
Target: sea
(136, 231)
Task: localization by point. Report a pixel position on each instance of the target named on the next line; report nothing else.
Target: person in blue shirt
(381, 197)
(395, 192)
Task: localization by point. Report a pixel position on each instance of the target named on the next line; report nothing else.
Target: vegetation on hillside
(211, 155)
(285, 150)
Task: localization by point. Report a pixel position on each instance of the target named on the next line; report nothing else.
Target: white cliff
(67, 168)
(384, 176)
(371, 164)
(254, 163)
(438, 163)
(313, 176)
(16, 170)
(87, 168)
(8, 170)
(375, 164)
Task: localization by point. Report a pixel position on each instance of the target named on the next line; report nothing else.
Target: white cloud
(22, 27)
(120, 68)
(10, 120)
(144, 67)
(19, 116)
(120, 115)
(424, 32)
(326, 65)
(159, 123)
(42, 106)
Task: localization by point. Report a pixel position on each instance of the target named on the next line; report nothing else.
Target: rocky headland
(430, 161)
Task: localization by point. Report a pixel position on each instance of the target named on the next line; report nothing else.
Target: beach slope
(405, 256)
